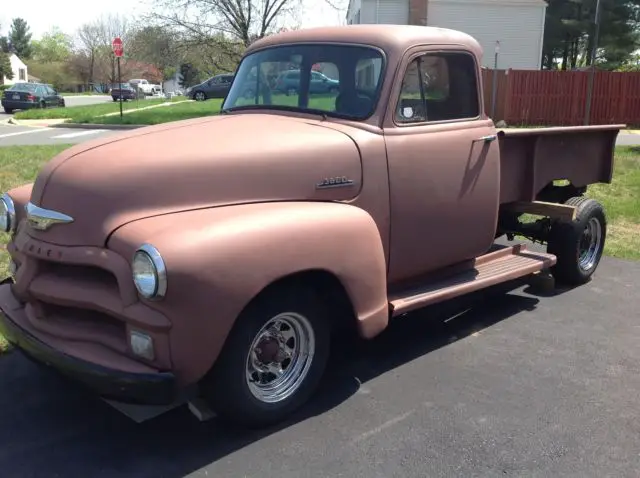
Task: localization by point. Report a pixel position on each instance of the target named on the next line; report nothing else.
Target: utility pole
(592, 60)
(494, 82)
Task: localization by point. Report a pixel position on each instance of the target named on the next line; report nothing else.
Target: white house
(518, 25)
(20, 73)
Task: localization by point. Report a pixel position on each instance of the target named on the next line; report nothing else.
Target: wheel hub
(280, 357)
(590, 244)
(269, 351)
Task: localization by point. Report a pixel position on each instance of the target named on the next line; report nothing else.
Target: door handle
(489, 138)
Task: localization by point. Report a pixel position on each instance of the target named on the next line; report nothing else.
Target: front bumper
(149, 388)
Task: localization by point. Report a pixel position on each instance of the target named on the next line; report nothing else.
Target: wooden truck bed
(532, 158)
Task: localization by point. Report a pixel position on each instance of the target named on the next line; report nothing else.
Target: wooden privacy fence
(540, 97)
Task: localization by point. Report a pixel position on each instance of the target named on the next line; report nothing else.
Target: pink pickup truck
(216, 258)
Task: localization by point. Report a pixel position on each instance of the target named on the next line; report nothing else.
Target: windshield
(337, 80)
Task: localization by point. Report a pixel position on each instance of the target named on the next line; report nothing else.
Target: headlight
(7, 214)
(149, 272)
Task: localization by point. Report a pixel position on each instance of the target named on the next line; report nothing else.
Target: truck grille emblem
(42, 219)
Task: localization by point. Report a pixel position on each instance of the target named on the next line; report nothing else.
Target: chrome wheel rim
(199, 96)
(590, 244)
(280, 357)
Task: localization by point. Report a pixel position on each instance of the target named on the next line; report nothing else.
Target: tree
(569, 33)
(94, 55)
(54, 46)
(155, 45)
(5, 63)
(20, 38)
(5, 67)
(241, 21)
(84, 60)
(189, 75)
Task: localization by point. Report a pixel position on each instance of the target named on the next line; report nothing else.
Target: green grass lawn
(82, 114)
(196, 109)
(165, 114)
(20, 164)
(621, 200)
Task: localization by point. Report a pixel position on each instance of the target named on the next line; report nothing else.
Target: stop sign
(116, 44)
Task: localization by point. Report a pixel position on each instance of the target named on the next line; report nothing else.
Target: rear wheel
(273, 359)
(8, 110)
(578, 244)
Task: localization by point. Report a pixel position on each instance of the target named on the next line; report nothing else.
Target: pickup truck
(147, 88)
(230, 251)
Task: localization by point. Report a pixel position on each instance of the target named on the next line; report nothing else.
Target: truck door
(444, 163)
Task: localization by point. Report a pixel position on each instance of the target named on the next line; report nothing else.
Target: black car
(128, 92)
(23, 96)
(215, 87)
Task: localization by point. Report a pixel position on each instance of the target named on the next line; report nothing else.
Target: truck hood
(207, 162)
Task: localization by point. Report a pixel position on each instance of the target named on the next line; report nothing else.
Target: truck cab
(233, 248)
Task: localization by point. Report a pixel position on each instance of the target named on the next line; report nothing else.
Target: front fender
(219, 259)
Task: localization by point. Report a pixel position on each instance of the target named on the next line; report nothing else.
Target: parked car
(128, 92)
(23, 96)
(288, 82)
(232, 249)
(215, 87)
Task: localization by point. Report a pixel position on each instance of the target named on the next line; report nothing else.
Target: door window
(439, 86)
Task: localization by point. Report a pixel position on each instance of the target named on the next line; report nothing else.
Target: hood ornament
(42, 219)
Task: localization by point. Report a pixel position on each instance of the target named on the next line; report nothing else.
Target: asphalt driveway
(518, 385)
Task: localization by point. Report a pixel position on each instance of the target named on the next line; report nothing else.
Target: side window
(439, 87)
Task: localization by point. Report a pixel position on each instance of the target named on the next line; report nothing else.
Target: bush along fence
(558, 98)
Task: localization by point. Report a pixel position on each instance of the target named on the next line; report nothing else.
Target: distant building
(517, 24)
(20, 73)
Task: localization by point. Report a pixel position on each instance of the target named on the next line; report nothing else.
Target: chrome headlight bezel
(151, 255)
(8, 213)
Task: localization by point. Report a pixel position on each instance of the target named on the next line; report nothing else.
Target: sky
(68, 15)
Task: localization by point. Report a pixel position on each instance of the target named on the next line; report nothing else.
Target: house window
(439, 87)
(22, 74)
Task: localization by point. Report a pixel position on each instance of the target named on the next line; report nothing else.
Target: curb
(97, 126)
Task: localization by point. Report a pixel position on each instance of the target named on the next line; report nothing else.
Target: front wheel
(578, 244)
(273, 359)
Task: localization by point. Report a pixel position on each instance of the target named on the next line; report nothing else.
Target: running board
(502, 265)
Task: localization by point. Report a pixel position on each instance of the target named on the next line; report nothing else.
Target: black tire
(567, 241)
(226, 387)
(114, 98)
(8, 110)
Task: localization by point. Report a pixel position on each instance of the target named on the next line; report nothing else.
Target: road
(519, 385)
(26, 135)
